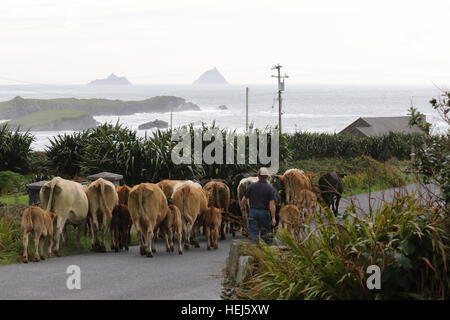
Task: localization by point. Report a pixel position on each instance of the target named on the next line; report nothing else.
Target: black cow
(331, 189)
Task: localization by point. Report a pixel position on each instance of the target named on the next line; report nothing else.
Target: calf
(123, 192)
(171, 224)
(218, 195)
(120, 227)
(213, 220)
(291, 220)
(308, 202)
(41, 222)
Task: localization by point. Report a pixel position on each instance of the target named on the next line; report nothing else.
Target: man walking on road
(262, 208)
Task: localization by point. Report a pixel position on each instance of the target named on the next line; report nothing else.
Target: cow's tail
(216, 196)
(50, 197)
(27, 223)
(141, 205)
(184, 195)
(105, 207)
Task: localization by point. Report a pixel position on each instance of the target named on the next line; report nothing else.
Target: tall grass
(323, 145)
(409, 241)
(15, 148)
(10, 240)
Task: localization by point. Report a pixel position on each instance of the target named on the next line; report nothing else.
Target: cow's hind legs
(37, 236)
(60, 222)
(41, 246)
(25, 247)
(141, 243)
(149, 244)
(208, 238)
(180, 240)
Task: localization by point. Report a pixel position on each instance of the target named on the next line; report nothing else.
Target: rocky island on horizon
(112, 79)
(212, 76)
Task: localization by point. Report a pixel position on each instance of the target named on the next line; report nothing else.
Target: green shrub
(11, 182)
(433, 157)
(15, 148)
(409, 241)
(10, 240)
(65, 154)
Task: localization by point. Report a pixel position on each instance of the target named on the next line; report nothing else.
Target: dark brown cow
(120, 227)
(123, 192)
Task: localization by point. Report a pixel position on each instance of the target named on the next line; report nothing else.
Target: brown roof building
(366, 127)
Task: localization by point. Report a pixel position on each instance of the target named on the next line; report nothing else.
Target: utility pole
(246, 109)
(280, 89)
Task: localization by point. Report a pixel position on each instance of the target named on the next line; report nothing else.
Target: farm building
(366, 127)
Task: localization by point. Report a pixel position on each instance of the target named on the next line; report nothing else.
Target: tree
(433, 158)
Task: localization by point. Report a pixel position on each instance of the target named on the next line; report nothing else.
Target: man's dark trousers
(260, 224)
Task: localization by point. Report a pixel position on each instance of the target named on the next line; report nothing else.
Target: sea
(312, 108)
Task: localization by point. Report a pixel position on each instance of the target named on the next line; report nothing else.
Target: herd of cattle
(168, 208)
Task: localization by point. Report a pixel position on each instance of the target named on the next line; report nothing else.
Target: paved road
(127, 275)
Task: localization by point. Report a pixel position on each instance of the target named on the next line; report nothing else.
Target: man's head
(263, 173)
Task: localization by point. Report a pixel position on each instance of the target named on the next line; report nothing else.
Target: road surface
(126, 275)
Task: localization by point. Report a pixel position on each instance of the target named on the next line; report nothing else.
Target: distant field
(47, 116)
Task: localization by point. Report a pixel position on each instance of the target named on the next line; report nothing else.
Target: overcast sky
(164, 42)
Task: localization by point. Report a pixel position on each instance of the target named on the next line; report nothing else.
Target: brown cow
(213, 221)
(294, 182)
(192, 202)
(291, 220)
(171, 224)
(123, 192)
(148, 209)
(41, 222)
(102, 196)
(167, 186)
(218, 195)
(120, 227)
(308, 202)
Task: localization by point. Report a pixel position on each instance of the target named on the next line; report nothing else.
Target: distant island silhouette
(111, 80)
(211, 76)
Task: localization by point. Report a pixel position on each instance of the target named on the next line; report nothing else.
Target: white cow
(68, 201)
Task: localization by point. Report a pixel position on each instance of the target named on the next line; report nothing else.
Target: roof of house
(371, 126)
